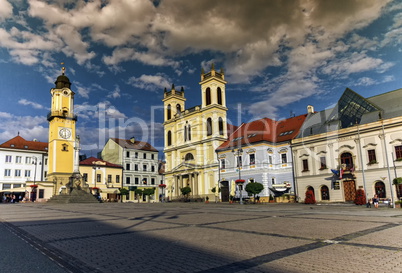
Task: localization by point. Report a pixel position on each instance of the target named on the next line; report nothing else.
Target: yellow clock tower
(61, 133)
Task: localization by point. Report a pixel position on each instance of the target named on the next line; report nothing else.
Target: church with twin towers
(192, 134)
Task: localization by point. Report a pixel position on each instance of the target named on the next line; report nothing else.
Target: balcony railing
(60, 114)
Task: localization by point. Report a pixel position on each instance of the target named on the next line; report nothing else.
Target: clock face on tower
(65, 133)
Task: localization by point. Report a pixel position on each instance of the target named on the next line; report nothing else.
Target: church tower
(61, 132)
(192, 135)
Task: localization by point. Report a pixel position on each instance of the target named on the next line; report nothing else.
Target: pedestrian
(375, 201)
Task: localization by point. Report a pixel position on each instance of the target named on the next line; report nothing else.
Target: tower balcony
(61, 114)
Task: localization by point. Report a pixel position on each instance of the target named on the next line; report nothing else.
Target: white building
(22, 161)
(356, 144)
(259, 150)
(140, 163)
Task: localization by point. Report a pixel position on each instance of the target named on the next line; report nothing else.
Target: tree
(148, 192)
(138, 194)
(185, 191)
(360, 197)
(397, 181)
(254, 188)
(123, 191)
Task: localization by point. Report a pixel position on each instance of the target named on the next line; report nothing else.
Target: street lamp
(238, 153)
(96, 191)
(34, 186)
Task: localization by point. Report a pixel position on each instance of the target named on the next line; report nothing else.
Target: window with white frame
(18, 159)
(9, 158)
(323, 163)
(7, 172)
(372, 158)
(28, 160)
(27, 173)
(223, 164)
(284, 158)
(305, 165)
(17, 173)
(252, 159)
(398, 152)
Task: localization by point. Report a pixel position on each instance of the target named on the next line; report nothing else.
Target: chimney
(310, 109)
(132, 139)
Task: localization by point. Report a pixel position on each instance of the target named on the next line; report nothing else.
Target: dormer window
(12, 145)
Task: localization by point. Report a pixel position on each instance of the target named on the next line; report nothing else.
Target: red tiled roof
(264, 129)
(21, 144)
(139, 145)
(90, 162)
(230, 128)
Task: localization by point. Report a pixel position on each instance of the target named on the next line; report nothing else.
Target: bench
(382, 202)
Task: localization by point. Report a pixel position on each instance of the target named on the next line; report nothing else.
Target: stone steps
(76, 196)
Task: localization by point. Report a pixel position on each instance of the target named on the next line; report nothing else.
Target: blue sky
(278, 57)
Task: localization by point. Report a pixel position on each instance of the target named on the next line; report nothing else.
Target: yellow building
(192, 135)
(61, 133)
(104, 178)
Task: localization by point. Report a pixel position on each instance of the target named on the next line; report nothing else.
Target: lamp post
(34, 186)
(96, 191)
(238, 153)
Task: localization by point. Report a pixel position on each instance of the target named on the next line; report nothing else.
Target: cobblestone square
(198, 237)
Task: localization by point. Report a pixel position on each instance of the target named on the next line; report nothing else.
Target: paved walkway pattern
(197, 237)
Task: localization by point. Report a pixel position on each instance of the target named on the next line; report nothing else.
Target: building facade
(140, 163)
(356, 144)
(104, 178)
(192, 135)
(259, 151)
(21, 161)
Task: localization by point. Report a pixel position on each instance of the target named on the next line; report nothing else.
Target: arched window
(209, 126)
(178, 109)
(219, 93)
(220, 126)
(347, 160)
(189, 157)
(380, 189)
(208, 96)
(324, 193)
(169, 138)
(187, 131)
(169, 112)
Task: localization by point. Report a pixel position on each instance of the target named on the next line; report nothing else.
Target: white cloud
(150, 82)
(355, 63)
(6, 10)
(29, 127)
(31, 103)
(120, 55)
(116, 93)
(5, 115)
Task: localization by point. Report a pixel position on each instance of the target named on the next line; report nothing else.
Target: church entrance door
(349, 189)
